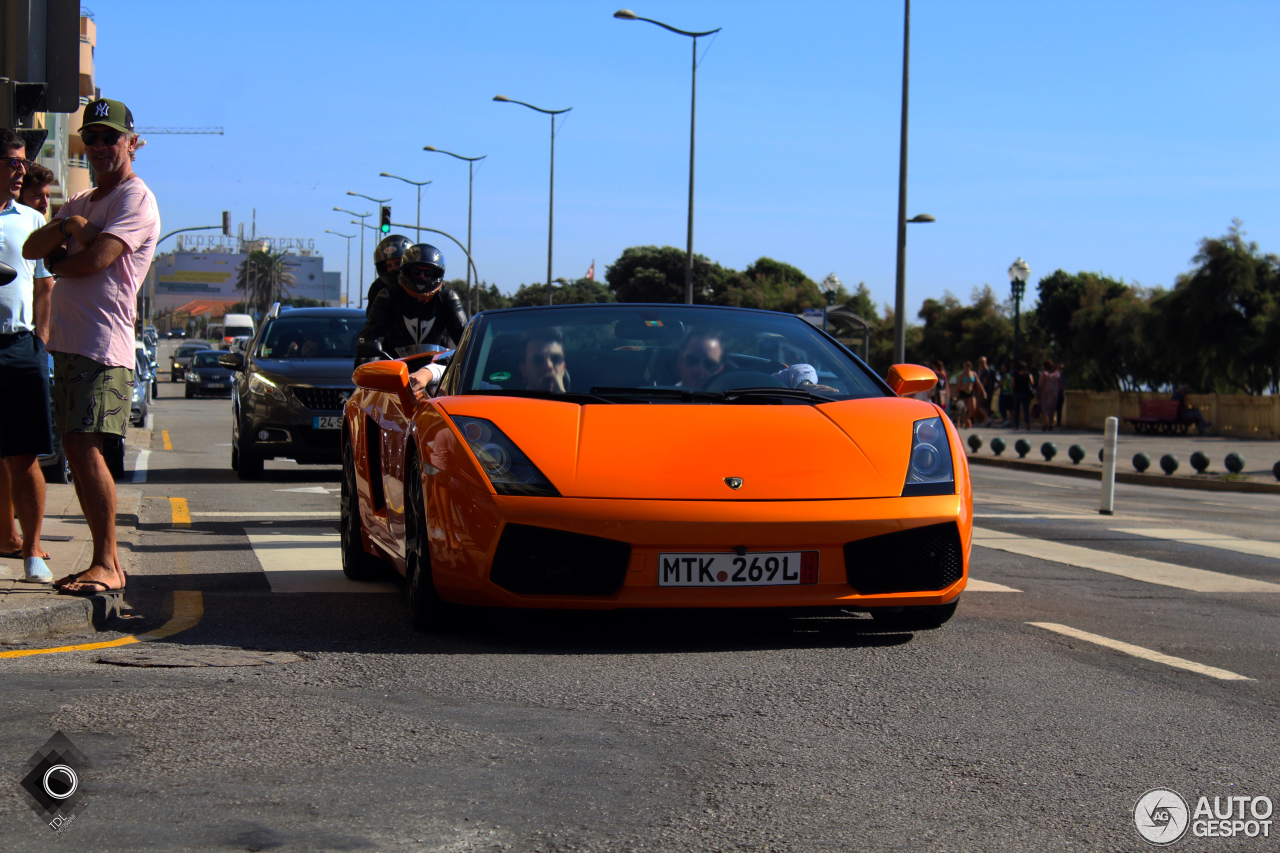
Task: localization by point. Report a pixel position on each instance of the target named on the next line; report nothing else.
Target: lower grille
(919, 560)
(538, 561)
(322, 399)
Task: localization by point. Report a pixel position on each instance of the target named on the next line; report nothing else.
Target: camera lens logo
(1161, 816)
(52, 782)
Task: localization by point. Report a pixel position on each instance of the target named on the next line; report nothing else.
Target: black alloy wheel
(925, 617)
(357, 565)
(427, 610)
(248, 463)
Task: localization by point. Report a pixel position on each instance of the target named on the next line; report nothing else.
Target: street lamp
(551, 208)
(1019, 272)
(360, 290)
(900, 291)
(348, 238)
(370, 198)
(419, 185)
(471, 165)
(628, 15)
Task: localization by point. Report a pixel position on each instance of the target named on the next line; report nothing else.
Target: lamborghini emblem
(734, 483)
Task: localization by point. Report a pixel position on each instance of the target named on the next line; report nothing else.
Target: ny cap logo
(103, 109)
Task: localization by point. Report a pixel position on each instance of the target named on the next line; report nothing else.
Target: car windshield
(311, 337)
(188, 349)
(674, 354)
(208, 358)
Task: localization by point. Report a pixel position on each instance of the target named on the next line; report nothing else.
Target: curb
(59, 615)
(1167, 481)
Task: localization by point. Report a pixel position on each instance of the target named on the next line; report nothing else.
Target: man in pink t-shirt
(99, 245)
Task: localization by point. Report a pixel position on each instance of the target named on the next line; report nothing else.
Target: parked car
(207, 375)
(655, 456)
(143, 380)
(181, 358)
(146, 368)
(290, 387)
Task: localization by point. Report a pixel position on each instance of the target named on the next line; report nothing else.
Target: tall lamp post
(359, 290)
(1019, 272)
(419, 184)
(551, 208)
(471, 174)
(348, 238)
(628, 15)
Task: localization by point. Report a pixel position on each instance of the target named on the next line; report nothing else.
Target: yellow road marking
(188, 608)
(178, 506)
(168, 445)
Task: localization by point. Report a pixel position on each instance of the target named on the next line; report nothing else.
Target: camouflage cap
(108, 113)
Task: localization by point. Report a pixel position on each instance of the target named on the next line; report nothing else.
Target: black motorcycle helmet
(421, 271)
(389, 248)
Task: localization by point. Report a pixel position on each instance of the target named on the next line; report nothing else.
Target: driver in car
(701, 358)
(543, 367)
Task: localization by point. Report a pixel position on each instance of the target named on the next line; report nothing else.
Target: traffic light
(226, 223)
(385, 227)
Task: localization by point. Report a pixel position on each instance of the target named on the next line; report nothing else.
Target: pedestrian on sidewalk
(35, 189)
(987, 379)
(1024, 387)
(1006, 394)
(941, 393)
(1062, 391)
(24, 371)
(1047, 394)
(969, 390)
(99, 245)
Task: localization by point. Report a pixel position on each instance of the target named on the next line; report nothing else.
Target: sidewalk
(1260, 455)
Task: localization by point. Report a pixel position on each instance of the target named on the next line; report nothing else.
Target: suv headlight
(264, 387)
(929, 472)
(507, 468)
(193, 376)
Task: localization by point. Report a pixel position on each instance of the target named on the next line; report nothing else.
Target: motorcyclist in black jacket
(420, 310)
(386, 260)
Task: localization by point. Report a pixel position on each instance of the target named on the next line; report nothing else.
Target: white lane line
(140, 466)
(1209, 540)
(279, 513)
(975, 585)
(307, 490)
(1140, 652)
(1134, 568)
(1030, 515)
(302, 560)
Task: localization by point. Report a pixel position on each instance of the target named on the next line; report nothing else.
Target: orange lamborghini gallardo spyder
(625, 455)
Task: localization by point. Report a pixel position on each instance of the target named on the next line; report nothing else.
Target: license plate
(326, 422)
(216, 385)
(761, 568)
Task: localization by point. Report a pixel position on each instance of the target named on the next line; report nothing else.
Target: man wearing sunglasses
(24, 371)
(99, 245)
(701, 358)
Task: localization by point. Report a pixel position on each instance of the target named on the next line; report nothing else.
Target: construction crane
(184, 130)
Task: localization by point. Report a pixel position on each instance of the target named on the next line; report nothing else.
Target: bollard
(1169, 463)
(1048, 450)
(1023, 447)
(1275, 469)
(1200, 462)
(975, 442)
(1076, 452)
(1234, 463)
(997, 445)
(1141, 462)
(1110, 443)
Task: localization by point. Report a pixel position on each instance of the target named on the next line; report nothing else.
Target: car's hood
(852, 449)
(312, 371)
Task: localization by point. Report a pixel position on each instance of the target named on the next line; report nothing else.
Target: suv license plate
(326, 422)
(763, 568)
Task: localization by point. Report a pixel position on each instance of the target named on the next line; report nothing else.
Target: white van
(236, 326)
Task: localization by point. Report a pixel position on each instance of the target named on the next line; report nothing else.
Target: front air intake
(924, 559)
(540, 561)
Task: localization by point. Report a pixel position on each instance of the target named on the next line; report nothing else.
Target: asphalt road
(659, 731)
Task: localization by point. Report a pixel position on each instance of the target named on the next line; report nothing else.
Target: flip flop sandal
(85, 593)
(17, 555)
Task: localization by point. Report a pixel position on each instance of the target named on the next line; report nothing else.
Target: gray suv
(291, 384)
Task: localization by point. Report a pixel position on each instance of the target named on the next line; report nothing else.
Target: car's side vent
(373, 444)
(541, 561)
(918, 560)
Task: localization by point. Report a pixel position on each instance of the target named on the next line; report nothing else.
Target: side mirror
(907, 379)
(391, 377)
(232, 360)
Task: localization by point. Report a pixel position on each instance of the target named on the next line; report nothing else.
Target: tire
(190, 393)
(113, 453)
(155, 390)
(248, 463)
(235, 457)
(357, 565)
(59, 471)
(923, 618)
(428, 612)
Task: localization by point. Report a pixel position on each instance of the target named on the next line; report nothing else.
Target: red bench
(1159, 417)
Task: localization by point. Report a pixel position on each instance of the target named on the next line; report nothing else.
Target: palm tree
(264, 278)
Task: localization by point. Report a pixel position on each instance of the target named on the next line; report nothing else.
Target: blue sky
(1106, 136)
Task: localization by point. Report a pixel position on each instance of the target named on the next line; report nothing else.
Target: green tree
(489, 295)
(656, 274)
(955, 333)
(769, 284)
(584, 290)
(265, 277)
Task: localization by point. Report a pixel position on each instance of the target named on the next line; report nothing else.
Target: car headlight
(929, 472)
(264, 387)
(193, 376)
(507, 468)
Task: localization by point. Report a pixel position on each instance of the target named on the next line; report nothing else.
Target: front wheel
(248, 463)
(357, 564)
(427, 610)
(922, 618)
